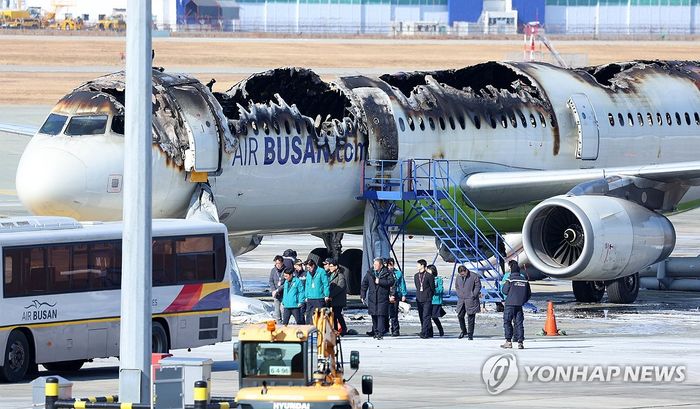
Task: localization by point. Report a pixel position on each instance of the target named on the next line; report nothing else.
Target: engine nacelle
(243, 244)
(595, 237)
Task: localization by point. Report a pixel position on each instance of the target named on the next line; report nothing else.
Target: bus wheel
(64, 366)
(17, 359)
(159, 339)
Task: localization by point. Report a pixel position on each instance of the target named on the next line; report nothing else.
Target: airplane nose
(51, 181)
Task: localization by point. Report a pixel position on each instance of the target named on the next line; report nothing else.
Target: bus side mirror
(354, 360)
(235, 351)
(367, 383)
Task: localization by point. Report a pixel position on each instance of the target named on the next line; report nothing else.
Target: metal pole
(135, 336)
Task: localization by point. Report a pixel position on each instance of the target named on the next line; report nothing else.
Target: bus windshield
(278, 360)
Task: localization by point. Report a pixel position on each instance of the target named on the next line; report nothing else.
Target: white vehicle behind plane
(607, 150)
(60, 294)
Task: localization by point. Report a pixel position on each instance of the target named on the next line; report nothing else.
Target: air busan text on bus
(604, 150)
(60, 294)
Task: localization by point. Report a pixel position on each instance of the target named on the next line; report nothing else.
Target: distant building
(400, 17)
(622, 16)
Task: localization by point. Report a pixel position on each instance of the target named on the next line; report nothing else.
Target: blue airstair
(425, 189)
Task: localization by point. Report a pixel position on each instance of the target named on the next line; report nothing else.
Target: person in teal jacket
(400, 295)
(437, 299)
(292, 298)
(317, 289)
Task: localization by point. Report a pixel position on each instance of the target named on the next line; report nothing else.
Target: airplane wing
(504, 190)
(24, 130)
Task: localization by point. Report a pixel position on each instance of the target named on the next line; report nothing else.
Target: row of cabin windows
(275, 127)
(91, 266)
(512, 119)
(650, 118)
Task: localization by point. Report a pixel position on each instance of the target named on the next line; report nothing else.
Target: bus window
(12, 284)
(163, 262)
(101, 262)
(59, 266)
(79, 276)
(195, 259)
(36, 280)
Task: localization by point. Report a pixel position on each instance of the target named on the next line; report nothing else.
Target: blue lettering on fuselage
(294, 150)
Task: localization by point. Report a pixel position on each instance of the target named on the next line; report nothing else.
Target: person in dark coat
(338, 293)
(377, 287)
(518, 292)
(468, 290)
(275, 282)
(425, 290)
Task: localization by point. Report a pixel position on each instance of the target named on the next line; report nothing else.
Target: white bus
(60, 294)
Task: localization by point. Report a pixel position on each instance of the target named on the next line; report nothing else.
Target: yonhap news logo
(501, 372)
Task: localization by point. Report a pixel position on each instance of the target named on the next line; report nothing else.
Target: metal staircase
(431, 194)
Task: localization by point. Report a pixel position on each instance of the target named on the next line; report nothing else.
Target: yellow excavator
(296, 366)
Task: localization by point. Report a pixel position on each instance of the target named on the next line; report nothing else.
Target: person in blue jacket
(399, 295)
(292, 298)
(317, 289)
(437, 299)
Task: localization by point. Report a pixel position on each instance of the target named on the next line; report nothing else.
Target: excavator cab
(296, 365)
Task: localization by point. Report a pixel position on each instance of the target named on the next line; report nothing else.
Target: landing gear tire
(159, 339)
(624, 290)
(588, 291)
(18, 359)
(64, 366)
(351, 259)
(318, 255)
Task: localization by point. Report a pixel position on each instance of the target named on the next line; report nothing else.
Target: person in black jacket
(518, 292)
(377, 286)
(275, 282)
(338, 293)
(425, 289)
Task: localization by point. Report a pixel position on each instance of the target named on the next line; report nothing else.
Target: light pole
(135, 336)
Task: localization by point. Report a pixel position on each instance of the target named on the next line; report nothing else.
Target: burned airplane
(605, 151)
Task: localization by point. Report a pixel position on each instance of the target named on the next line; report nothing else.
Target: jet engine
(243, 244)
(595, 237)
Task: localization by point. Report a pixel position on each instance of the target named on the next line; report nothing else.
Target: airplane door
(203, 154)
(586, 125)
(383, 137)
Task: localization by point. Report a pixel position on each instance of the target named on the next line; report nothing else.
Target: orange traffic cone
(550, 326)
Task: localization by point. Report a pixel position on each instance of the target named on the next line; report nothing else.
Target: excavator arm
(328, 343)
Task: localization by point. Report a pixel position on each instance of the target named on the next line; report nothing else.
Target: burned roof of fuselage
(290, 95)
(623, 76)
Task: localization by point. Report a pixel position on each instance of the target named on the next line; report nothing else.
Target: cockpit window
(87, 125)
(53, 125)
(118, 124)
